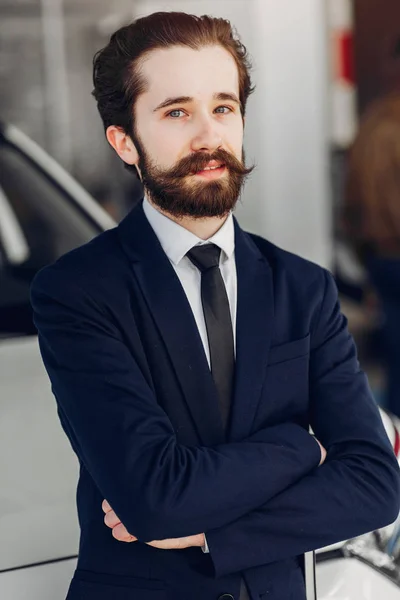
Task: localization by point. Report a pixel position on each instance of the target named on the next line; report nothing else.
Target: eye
(173, 113)
(225, 108)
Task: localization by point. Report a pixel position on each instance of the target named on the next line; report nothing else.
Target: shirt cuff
(205, 547)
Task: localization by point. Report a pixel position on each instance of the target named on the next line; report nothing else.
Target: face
(189, 131)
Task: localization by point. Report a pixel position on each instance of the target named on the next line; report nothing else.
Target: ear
(122, 144)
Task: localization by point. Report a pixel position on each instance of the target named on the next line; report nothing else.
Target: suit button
(226, 597)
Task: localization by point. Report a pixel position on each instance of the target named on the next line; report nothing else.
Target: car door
(43, 214)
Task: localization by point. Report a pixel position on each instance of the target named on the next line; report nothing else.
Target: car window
(39, 223)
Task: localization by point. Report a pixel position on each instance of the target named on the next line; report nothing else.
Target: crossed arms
(157, 486)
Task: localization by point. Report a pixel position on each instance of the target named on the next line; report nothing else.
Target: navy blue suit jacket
(137, 401)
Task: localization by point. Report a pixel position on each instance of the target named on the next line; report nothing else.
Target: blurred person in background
(371, 220)
(188, 358)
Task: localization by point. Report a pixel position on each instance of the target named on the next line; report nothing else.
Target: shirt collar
(176, 241)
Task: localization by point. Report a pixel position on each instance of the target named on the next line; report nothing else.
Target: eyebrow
(188, 99)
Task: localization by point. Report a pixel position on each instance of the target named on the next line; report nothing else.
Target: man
(189, 358)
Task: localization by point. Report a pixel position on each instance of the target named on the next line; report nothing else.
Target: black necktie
(218, 322)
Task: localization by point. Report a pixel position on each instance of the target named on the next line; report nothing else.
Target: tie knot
(205, 257)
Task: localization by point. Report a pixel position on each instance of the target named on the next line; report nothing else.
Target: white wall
(287, 198)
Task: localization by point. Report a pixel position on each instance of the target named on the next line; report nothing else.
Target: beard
(175, 191)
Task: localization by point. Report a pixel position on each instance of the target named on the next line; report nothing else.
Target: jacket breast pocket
(285, 390)
(87, 585)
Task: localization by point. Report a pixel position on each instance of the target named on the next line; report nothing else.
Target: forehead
(181, 71)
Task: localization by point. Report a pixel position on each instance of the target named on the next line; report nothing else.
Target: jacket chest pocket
(285, 390)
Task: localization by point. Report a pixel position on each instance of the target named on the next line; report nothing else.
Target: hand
(119, 530)
(121, 534)
(323, 452)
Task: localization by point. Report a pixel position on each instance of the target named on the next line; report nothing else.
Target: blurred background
(321, 68)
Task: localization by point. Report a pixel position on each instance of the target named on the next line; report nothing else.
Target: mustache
(200, 160)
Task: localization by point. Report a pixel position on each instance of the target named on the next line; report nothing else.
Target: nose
(207, 137)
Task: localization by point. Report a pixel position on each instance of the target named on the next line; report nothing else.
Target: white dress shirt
(176, 241)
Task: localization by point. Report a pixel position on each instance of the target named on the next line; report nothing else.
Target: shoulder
(85, 267)
(289, 265)
(305, 294)
(299, 283)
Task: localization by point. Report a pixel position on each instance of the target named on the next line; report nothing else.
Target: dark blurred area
(366, 183)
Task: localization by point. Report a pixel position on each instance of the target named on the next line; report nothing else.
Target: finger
(122, 535)
(105, 506)
(111, 519)
(161, 544)
(169, 544)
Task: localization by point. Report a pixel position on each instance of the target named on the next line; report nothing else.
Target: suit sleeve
(355, 491)
(120, 433)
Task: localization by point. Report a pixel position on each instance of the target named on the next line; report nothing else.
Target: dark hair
(116, 68)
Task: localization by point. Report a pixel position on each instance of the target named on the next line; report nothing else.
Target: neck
(203, 228)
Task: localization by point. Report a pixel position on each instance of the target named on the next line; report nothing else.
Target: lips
(211, 167)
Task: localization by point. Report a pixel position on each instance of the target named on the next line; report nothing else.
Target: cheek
(164, 151)
(235, 141)
(236, 148)
(162, 143)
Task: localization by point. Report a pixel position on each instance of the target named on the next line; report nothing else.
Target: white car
(43, 214)
(368, 567)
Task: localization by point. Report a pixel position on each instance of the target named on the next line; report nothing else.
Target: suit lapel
(254, 324)
(172, 313)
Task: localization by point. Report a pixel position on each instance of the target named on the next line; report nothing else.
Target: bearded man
(189, 358)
